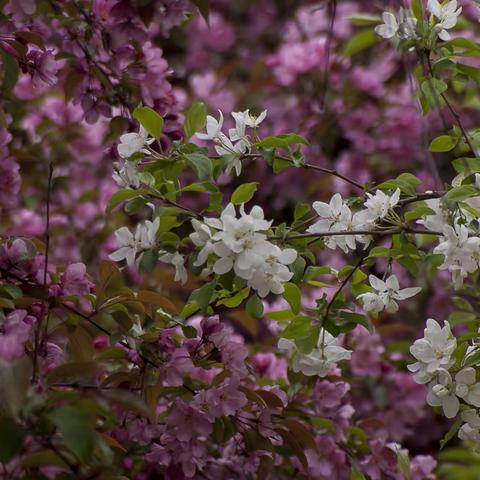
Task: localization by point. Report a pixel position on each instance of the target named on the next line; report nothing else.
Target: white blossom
(240, 243)
(446, 15)
(470, 430)
(441, 393)
(213, 127)
(404, 27)
(320, 359)
(253, 121)
(467, 387)
(461, 253)
(202, 237)
(131, 143)
(336, 216)
(178, 261)
(380, 204)
(131, 245)
(270, 272)
(127, 175)
(386, 292)
(433, 351)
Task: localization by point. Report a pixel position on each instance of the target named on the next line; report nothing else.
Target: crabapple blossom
(460, 251)
(470, 430)
(446, 15)
(131, 245)
(467, 387)
(386, 292)
(433, 351)
(131, 143)
(320, 359)
(441, 393)
(178, 261)
(213, 127)
(404, 27)
(127, 175)
(379, 204)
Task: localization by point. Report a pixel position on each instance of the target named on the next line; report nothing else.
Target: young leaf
(77, 431)
(150, 120)
(443, 143)
(202, 164)
(244, 193)
(254, 307)
(195, 118)
(293, 295)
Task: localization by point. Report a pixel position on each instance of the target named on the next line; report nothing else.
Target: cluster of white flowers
(385, 294)
(237, 142)
(443, 16)
(238, 243)
(131, 247)
(336, 217)
(320, 359)
(460, 243)
(126, 174)
(434, 360)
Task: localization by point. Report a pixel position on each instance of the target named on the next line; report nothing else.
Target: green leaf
(121, 196)
(76, 428)
(433, 88)
(203, 7)
(282, 141)
(403, 461)
(150, 120)
(361, 41)
(254, 307)
(236, 300)
(364, 19)
(203, 296)
(202, 164)
(443, 143)
(11, 439)
(301, 209)
(357, 474)
(451, 433)
(10, 72)
(458, 194)
(244, 193)
(466, 165)
(293, 295)
(195, 118)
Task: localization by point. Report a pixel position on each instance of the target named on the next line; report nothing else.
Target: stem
(379, 233)
(346, 280)
(310, 166)
(332, 6)
(454, 113)
(38, 329)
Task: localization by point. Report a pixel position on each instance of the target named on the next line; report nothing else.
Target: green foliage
(359, 42)
(77, 431)
(150, 120)
(443, 143)
(195, 118)
(202, 164)
(282, 141)
(244, 193)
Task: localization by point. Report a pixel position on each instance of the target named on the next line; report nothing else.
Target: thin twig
(452, 110)
(38, 329)
(332, 7)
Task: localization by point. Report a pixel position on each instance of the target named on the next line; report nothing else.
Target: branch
(379, 233)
